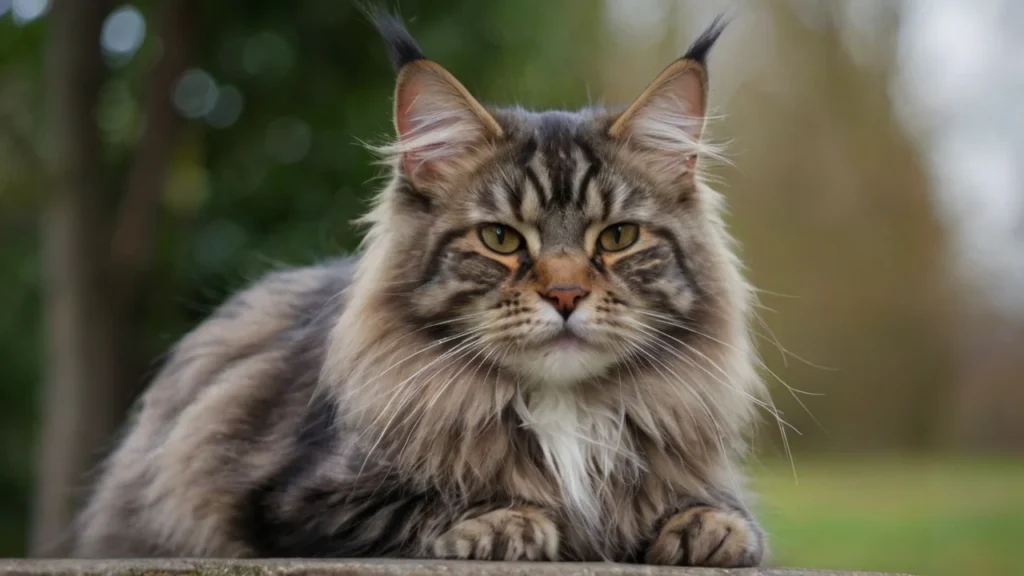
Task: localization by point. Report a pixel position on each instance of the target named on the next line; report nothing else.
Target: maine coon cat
(540, 352)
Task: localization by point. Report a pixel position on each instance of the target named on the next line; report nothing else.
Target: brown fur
(415, 401)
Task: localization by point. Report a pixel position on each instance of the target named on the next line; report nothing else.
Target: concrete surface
(373, 567)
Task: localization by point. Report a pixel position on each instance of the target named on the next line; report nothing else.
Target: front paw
(507, 534)
(706, 536)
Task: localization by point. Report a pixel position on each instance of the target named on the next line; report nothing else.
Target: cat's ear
(667, 120)
(440, 126)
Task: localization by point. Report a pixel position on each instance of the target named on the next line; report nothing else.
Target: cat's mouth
(566, 339)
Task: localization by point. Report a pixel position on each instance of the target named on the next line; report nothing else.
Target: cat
(540, 352)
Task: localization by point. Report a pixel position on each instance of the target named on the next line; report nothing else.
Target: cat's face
(555, 245)
(555, 257)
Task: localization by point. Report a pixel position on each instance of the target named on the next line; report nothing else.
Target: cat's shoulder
(292, 287)
(286, 311)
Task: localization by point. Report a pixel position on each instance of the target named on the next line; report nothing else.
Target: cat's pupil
(617, 231)
(499, 234)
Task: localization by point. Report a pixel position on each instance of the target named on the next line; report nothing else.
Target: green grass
(962, 517)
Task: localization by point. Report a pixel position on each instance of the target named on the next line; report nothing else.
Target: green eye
(501, 239)
(618, 237)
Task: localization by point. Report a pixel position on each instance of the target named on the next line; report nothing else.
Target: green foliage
(21, 61)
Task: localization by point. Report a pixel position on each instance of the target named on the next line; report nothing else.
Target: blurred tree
(21, 110)
(136, 224)
(824, 158)
(82, 363)
(99, 250)
(985, 411)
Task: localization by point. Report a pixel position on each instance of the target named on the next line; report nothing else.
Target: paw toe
(509, 534)
(705, 536)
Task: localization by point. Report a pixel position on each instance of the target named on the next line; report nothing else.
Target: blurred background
(156, 155)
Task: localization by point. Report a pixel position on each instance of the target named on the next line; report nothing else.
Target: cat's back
(292, 309)
(220, 415)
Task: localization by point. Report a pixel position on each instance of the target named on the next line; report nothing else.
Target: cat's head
(552, 244)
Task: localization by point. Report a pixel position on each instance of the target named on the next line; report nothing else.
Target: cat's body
(556, 386)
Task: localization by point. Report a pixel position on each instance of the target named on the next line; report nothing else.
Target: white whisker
(770, 406)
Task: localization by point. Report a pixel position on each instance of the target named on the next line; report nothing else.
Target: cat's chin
(562, 361)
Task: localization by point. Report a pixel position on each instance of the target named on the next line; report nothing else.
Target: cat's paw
(507, 534)
(706, 536)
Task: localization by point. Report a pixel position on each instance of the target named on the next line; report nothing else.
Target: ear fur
(438, 123)
(667, 120)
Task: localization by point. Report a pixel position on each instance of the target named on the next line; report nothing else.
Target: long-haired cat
(541, 352)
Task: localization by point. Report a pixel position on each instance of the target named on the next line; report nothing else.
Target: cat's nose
(565, 297)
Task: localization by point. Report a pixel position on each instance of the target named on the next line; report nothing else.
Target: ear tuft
(440, 125)
(667, 120)
(701, 47)
(402, 47)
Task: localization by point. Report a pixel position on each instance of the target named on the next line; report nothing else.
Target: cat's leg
(699, 533)
(512, 533)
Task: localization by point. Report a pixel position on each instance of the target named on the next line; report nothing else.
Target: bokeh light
(187, 188)
(27, 11)
(638, 22)
(227, 109)
(288, 140)
(268, 55)
(117, 114)
(123, 33)
(217, 242)
(195, 93)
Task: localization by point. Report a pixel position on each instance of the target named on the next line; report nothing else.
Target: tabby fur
(430, 397)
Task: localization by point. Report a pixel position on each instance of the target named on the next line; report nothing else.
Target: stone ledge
(370, 567)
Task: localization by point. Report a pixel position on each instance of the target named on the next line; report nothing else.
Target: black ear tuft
(402, 47)
(700, 48)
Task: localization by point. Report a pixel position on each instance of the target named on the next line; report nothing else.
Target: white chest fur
(582, 446)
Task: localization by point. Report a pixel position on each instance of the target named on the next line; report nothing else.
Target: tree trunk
(95, 279)
(134, 239)
(78, 416)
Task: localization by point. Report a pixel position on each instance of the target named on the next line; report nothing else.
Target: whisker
(400, 388)
(410, 394)
(707, 410)
(642, 349)
(787, 353)
(757, 359)
(430, 346)
(459, 352)
(719, 436)
(425, 410)
(770, 406)
(676, 353)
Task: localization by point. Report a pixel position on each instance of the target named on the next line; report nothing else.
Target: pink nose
(565, 297)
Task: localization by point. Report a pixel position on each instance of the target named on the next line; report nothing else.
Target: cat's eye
(618, 237)
(500, 238)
